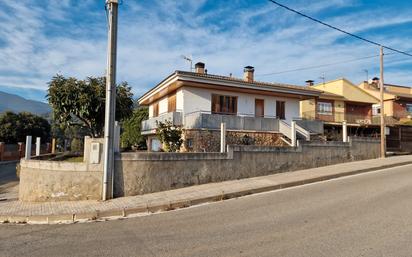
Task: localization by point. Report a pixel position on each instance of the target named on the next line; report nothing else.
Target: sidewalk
(73, 211)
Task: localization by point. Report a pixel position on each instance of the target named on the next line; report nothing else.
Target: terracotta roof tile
(254, 83)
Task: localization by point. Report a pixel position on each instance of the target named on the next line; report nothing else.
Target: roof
(331, 81)
(346, 95)
(254, 83)
(219, 80)
(391, 93)
(391, 85)
(400, 95)
(331, 95)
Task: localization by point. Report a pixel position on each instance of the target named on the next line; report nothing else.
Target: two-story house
(254, 112)
(397, 99)
(340, 101)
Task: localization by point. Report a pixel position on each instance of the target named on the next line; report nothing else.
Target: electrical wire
(338, 29)
(317, 66)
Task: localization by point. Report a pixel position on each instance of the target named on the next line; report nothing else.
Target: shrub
(169, 135)
(76, 145)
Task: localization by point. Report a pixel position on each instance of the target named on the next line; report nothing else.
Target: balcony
(402, 114)
(148, 126)
(339, 117)
(207, 120)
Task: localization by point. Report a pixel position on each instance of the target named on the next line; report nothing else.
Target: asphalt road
(8, 173)
(8, 182)
(363, 215)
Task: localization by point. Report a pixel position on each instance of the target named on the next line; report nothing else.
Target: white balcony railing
(207, 120)
(175, 117)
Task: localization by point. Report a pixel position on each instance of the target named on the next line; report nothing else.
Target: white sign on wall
(387, 131)
(95, 153)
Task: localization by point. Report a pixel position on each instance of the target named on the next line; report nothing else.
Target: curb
(8, 162)
(172, 205)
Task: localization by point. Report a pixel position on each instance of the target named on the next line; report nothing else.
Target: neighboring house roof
(400, 95)
(390, 89)
(331, 96)
(331, 81)
(389, 93)
(392, 85)
(348, 91)
(223, 83)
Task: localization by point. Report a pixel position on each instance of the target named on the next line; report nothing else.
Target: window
(224, 104)
(189, 143)
(171, 103)
(324, 108)
(408, 108)
(280, 109)
(156, 109)
(155, 145)
(259, 107)
(376, 109)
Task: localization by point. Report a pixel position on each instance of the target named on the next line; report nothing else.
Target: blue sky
(41, 38)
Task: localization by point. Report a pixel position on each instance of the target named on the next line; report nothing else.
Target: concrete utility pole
(381, 81)
(109, 119)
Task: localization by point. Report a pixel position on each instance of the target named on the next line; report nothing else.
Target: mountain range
(15, 103)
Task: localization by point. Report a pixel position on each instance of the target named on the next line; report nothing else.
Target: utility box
(95, 153)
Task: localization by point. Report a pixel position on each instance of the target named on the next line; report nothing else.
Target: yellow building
(340, 101)
(397, 99)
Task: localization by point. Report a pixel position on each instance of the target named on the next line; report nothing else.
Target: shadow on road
(8, 173)
(8, 182)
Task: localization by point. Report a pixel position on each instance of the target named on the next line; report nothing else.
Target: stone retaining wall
(59, 181)
(141, 173)
(42, 180)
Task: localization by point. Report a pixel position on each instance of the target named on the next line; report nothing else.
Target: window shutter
(171, 103)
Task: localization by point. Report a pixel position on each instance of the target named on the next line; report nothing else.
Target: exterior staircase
(301, 133)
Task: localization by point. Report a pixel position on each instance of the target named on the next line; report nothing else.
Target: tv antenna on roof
(367, 74)
(323, 78)
(189, 59)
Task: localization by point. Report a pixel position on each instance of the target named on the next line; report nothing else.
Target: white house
(198, 101)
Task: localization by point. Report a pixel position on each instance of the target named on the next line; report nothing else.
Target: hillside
(15, 103)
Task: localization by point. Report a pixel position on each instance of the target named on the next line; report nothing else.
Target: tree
(65, 134)
(169, 135)
(131, 136)
(82, 102)
(15, 127)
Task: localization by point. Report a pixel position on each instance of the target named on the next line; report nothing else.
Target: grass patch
(409, 123)
(74, 159)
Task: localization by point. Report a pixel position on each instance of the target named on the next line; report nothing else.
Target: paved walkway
(71, 211)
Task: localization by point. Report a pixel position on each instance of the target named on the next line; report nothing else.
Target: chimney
(200, 67)
(374, 83)
(375, 80)
(248, 73)
(309, 82)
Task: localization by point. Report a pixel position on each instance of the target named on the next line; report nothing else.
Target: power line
(317, 66)
(323, 65)
(338, 29)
